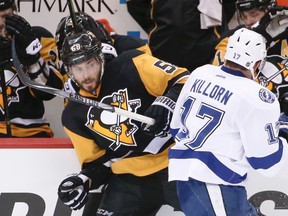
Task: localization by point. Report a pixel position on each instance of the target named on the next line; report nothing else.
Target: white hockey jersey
(223, 125)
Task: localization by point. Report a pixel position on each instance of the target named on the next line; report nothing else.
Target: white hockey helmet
(246, 47)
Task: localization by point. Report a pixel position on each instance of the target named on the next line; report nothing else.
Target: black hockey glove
(5, 50)
(283, 126)
(27, 45)
(161, 110)
(73, 191)
(273, 24)
(284, 104)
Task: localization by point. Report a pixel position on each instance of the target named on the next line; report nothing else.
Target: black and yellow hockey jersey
(131, 81)
(25, 105)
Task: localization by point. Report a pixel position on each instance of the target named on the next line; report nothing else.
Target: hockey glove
(273, 24)
(73, 191)
(161, 110)
(284, 105)
(27, 45)
(5, 47)
(283, 126)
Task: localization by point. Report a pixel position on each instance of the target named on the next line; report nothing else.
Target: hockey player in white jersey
(224, 123)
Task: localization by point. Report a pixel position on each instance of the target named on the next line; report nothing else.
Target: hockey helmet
(65, 27)
(5, 4)
(246, 47)
(79, 47)
(244, 5)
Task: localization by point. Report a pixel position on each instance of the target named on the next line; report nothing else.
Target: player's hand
(161, 110)
(73, 191)
(5, 47)
(27, 44)
(283, 126)
(273, 24)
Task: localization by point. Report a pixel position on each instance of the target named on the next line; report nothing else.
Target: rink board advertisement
(31, 170)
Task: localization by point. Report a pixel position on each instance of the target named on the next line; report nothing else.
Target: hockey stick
(5, 99)
(73, 97)
(284, 62)
(72, 13)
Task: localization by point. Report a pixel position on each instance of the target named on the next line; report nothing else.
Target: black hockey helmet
(244, 5)
(81, 46)
(65, 27)
(5, 4)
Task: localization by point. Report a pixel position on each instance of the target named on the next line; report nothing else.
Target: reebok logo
(36, 46)
(104, 212)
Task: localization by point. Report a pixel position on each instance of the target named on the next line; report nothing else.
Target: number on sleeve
(272, 138)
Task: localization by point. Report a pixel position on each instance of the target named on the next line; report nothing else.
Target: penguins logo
(118, 129)
(274, 73)
(12, 84)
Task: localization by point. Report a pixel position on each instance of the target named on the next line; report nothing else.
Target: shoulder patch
(266, 95)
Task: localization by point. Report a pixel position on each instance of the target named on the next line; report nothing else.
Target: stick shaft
(74, 97)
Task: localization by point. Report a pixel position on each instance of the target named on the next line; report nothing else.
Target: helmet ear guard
(245, 48)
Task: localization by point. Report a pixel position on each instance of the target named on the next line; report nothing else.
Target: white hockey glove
(39, 71)
(73, 190)
(273, 24)
(161, 110)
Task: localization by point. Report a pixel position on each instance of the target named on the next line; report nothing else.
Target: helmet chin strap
(258, 69)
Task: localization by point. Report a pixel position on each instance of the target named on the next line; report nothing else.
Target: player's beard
(89, 85)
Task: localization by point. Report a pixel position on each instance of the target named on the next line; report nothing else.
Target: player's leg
(90, 208)
(236, 201)
(169, 191)
(128, 195)
(194, 199)
(198, 198)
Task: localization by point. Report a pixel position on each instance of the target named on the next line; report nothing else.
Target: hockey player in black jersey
(21, 107)
(113, 149)
(112, 45)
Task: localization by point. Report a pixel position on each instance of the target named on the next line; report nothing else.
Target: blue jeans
(200, 199)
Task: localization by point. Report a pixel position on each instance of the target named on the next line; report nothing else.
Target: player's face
(3, 15)
(251, 17)
(87, 74)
